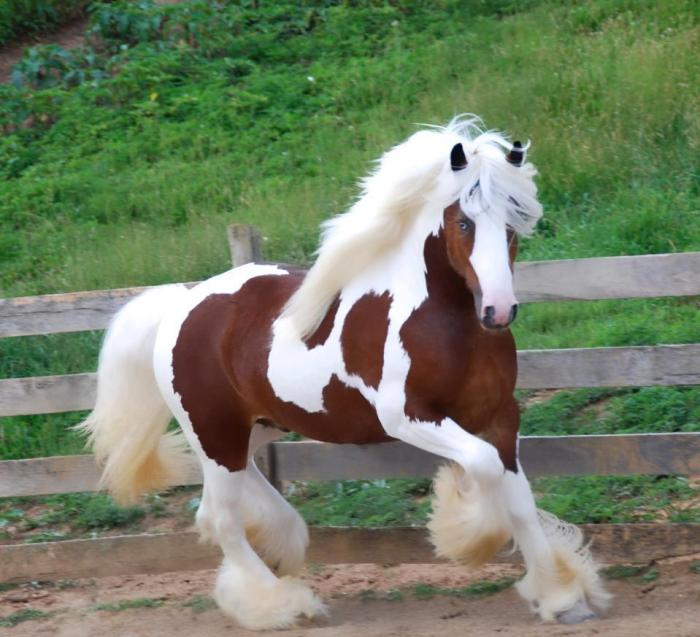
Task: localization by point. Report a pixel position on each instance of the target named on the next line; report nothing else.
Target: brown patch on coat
(201, 375)
(320, 336)
(363, 337)
(220, 372)
(458, 369)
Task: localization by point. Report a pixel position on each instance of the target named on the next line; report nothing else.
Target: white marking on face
(491, 263)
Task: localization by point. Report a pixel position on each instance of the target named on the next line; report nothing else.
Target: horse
(398, 331)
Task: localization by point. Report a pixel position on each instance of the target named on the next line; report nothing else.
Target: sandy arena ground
(667, 606)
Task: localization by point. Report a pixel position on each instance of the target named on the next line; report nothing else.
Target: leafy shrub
(123, 24)
(49, 65)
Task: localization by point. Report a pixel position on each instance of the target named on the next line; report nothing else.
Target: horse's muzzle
(493, 321)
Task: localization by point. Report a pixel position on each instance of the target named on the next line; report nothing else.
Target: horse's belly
(347, 417)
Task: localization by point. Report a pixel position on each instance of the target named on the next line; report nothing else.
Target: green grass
(200, 603)
(362, 502)
(475, 590)
(623, 571)
(126, 167)
(614, 499)
(129, 604)
(7, 586)
(150, 165)
(426, 591)
(26, 614)
(58, 517)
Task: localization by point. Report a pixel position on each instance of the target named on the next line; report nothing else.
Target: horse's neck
(420, 269)
(446, 288)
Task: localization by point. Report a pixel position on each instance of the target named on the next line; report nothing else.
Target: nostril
(489, 312)
(513, 313)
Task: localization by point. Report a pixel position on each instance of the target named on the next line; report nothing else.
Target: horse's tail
(126, 429)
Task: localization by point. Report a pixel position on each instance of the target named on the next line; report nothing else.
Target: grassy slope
(272, 124)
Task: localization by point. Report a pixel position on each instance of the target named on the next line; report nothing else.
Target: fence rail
(537, 369)
(582, 279)
(618, 454)
(655, 275)
(180, 551)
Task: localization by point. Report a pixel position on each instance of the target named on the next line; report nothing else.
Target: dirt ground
(366, 600)
(69, 36)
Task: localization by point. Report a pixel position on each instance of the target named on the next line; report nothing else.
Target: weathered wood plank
(245, 244)
(624, 454)
(609, 367)
(538, 369)
(57, 474)
(621, 454)
(73, 474)
(167, 552)
(574, 279)
(47, 394)
(68, 312)
(609, 277)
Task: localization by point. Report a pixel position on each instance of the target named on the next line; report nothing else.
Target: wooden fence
(582, 279)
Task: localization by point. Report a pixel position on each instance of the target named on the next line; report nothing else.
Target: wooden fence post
(245, 242)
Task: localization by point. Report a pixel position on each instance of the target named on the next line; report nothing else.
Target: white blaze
(491, 263)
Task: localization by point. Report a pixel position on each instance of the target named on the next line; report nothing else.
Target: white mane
(411, 179)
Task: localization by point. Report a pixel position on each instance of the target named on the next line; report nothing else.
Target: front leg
(444, 437)
(470, 521)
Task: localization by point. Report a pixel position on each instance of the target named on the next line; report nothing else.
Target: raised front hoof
(579, 612)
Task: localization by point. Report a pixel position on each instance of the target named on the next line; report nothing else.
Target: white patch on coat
(298, 374)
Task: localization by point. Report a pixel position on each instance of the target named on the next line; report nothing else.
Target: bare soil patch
(367, 600)
(68, 36)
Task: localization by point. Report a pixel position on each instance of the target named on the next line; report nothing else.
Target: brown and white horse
(398, 331)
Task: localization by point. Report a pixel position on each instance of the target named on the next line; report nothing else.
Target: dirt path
(365, 600)
(68, 36)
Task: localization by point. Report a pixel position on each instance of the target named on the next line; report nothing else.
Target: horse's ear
(458, 159)
(516, 154)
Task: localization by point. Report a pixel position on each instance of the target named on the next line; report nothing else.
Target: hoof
(261, 605)
(579, 612)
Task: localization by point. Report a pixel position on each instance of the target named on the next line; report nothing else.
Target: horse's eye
(465, 225)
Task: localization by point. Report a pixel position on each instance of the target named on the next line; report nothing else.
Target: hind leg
(562, 577)
(273, 527)
(246, 588)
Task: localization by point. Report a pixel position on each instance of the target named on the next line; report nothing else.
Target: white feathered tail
(126, 429)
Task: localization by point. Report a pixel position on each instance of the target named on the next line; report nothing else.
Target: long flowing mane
(410, 179)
